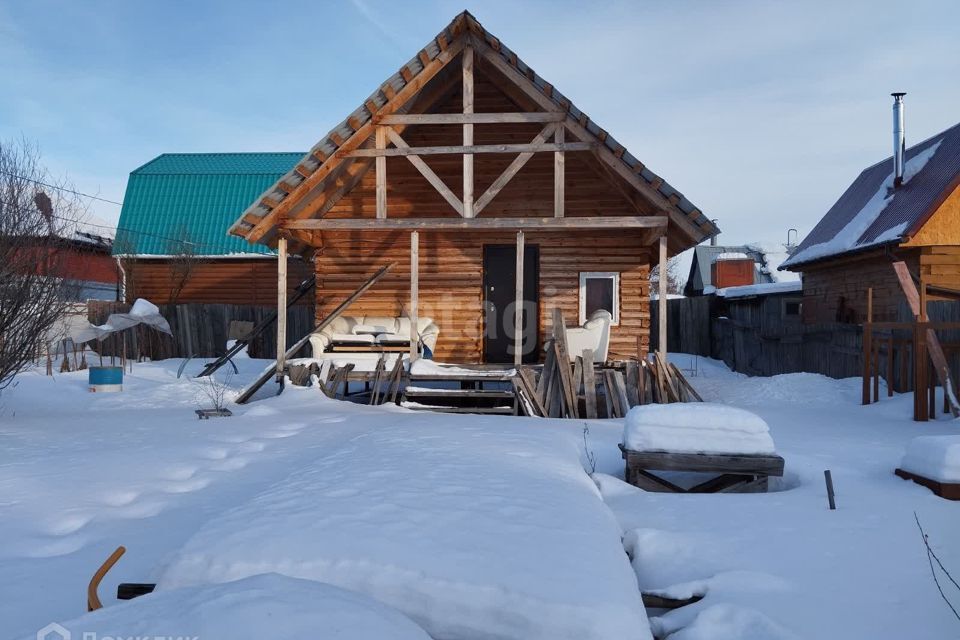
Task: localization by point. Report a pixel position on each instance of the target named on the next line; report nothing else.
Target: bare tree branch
(36, 225)
(931, 557)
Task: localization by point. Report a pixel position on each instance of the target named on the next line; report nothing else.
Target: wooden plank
(546, 375)
(414, 295)
(473, 149)
(530, 384)
(589, 384)
(512, 169)
(685, 383)
(706, 462)
(662, 298)
(867, 349)
(468, 132)
(394, 103)
(471, 118)
(518, 303)
(426, 172)
(558, 175)
(478, 224)
(381, 170)
(633, 383)
(577, 381)
(378, 372)
(620, 387)
(281, 307)
(396, 378)
(563, 362)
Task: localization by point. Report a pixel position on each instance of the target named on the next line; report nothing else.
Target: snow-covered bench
(934, 462)
(698, 437)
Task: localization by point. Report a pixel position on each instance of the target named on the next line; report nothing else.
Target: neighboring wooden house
(718, 267)
(878, 220)
(486, 186)
(171, 231)
(82, 257)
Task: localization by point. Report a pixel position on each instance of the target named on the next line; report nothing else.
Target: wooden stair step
(481, 394)
(416, 406)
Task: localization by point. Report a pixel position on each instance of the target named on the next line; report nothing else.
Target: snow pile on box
(477, 528)
(266, 606)
(933, 457)
(696, 427)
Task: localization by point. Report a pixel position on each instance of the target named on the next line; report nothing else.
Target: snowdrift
(481, 529)
(267, 606)
(696, 427)
(933, 457)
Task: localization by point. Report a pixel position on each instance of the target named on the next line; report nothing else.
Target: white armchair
(594, 335)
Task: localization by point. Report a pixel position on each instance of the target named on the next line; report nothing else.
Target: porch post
(414, 293)
(518, 314)
(662, 298)
(281, 306)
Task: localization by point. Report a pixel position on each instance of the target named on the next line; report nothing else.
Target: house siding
(451, 281)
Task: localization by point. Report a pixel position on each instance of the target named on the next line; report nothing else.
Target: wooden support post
(558, 175)
(662, 300)
(468, 132)
(867, 348)
(414, 293)
(381, 174)
(518, 314)
(890, 366)
(281, 306)
(876, 371)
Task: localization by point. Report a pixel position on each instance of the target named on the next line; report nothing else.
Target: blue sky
(760, 112)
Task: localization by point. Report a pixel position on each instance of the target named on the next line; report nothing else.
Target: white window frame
(612, 275)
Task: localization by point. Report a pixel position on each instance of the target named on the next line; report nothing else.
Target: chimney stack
(899, 139)
(713, 238)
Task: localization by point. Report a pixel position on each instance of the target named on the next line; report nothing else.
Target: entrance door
(499, 304)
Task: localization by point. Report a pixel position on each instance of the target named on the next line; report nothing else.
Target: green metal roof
(194, 198)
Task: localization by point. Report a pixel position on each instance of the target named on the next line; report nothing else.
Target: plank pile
(581, 388)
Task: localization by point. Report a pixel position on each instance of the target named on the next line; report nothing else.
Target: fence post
(867, 347)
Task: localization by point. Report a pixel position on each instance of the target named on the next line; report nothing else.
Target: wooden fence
(754, 337)
(199, 330)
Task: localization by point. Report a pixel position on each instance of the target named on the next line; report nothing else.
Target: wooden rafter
(513, 168)
(479, 224)
(468, 211)
(472, 149)
(427, 172)
(471, 118)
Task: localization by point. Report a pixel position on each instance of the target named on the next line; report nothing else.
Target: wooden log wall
(451, 281)
(239, 281)
(824, 285)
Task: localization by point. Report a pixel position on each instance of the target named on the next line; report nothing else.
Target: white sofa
(364, 332)
(594, 334)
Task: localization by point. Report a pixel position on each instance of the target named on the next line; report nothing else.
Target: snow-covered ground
(466, 526)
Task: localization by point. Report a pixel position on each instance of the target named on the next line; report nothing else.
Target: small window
(599, 290)
(792, 308)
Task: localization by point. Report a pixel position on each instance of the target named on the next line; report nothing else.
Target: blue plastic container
(105, 379)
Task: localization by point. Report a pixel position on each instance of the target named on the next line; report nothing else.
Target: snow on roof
(871, 212)
(766, 288)
(732, 255)
(773, 255)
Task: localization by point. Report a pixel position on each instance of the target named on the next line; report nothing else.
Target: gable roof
(411, 75)
(192, 197)
(871, 213)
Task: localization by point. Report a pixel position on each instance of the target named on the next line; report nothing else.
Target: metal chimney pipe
(713, 238)
(899, 139)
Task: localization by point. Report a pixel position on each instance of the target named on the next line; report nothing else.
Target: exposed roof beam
(471, 149)
(470, 118)
(480, 224)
